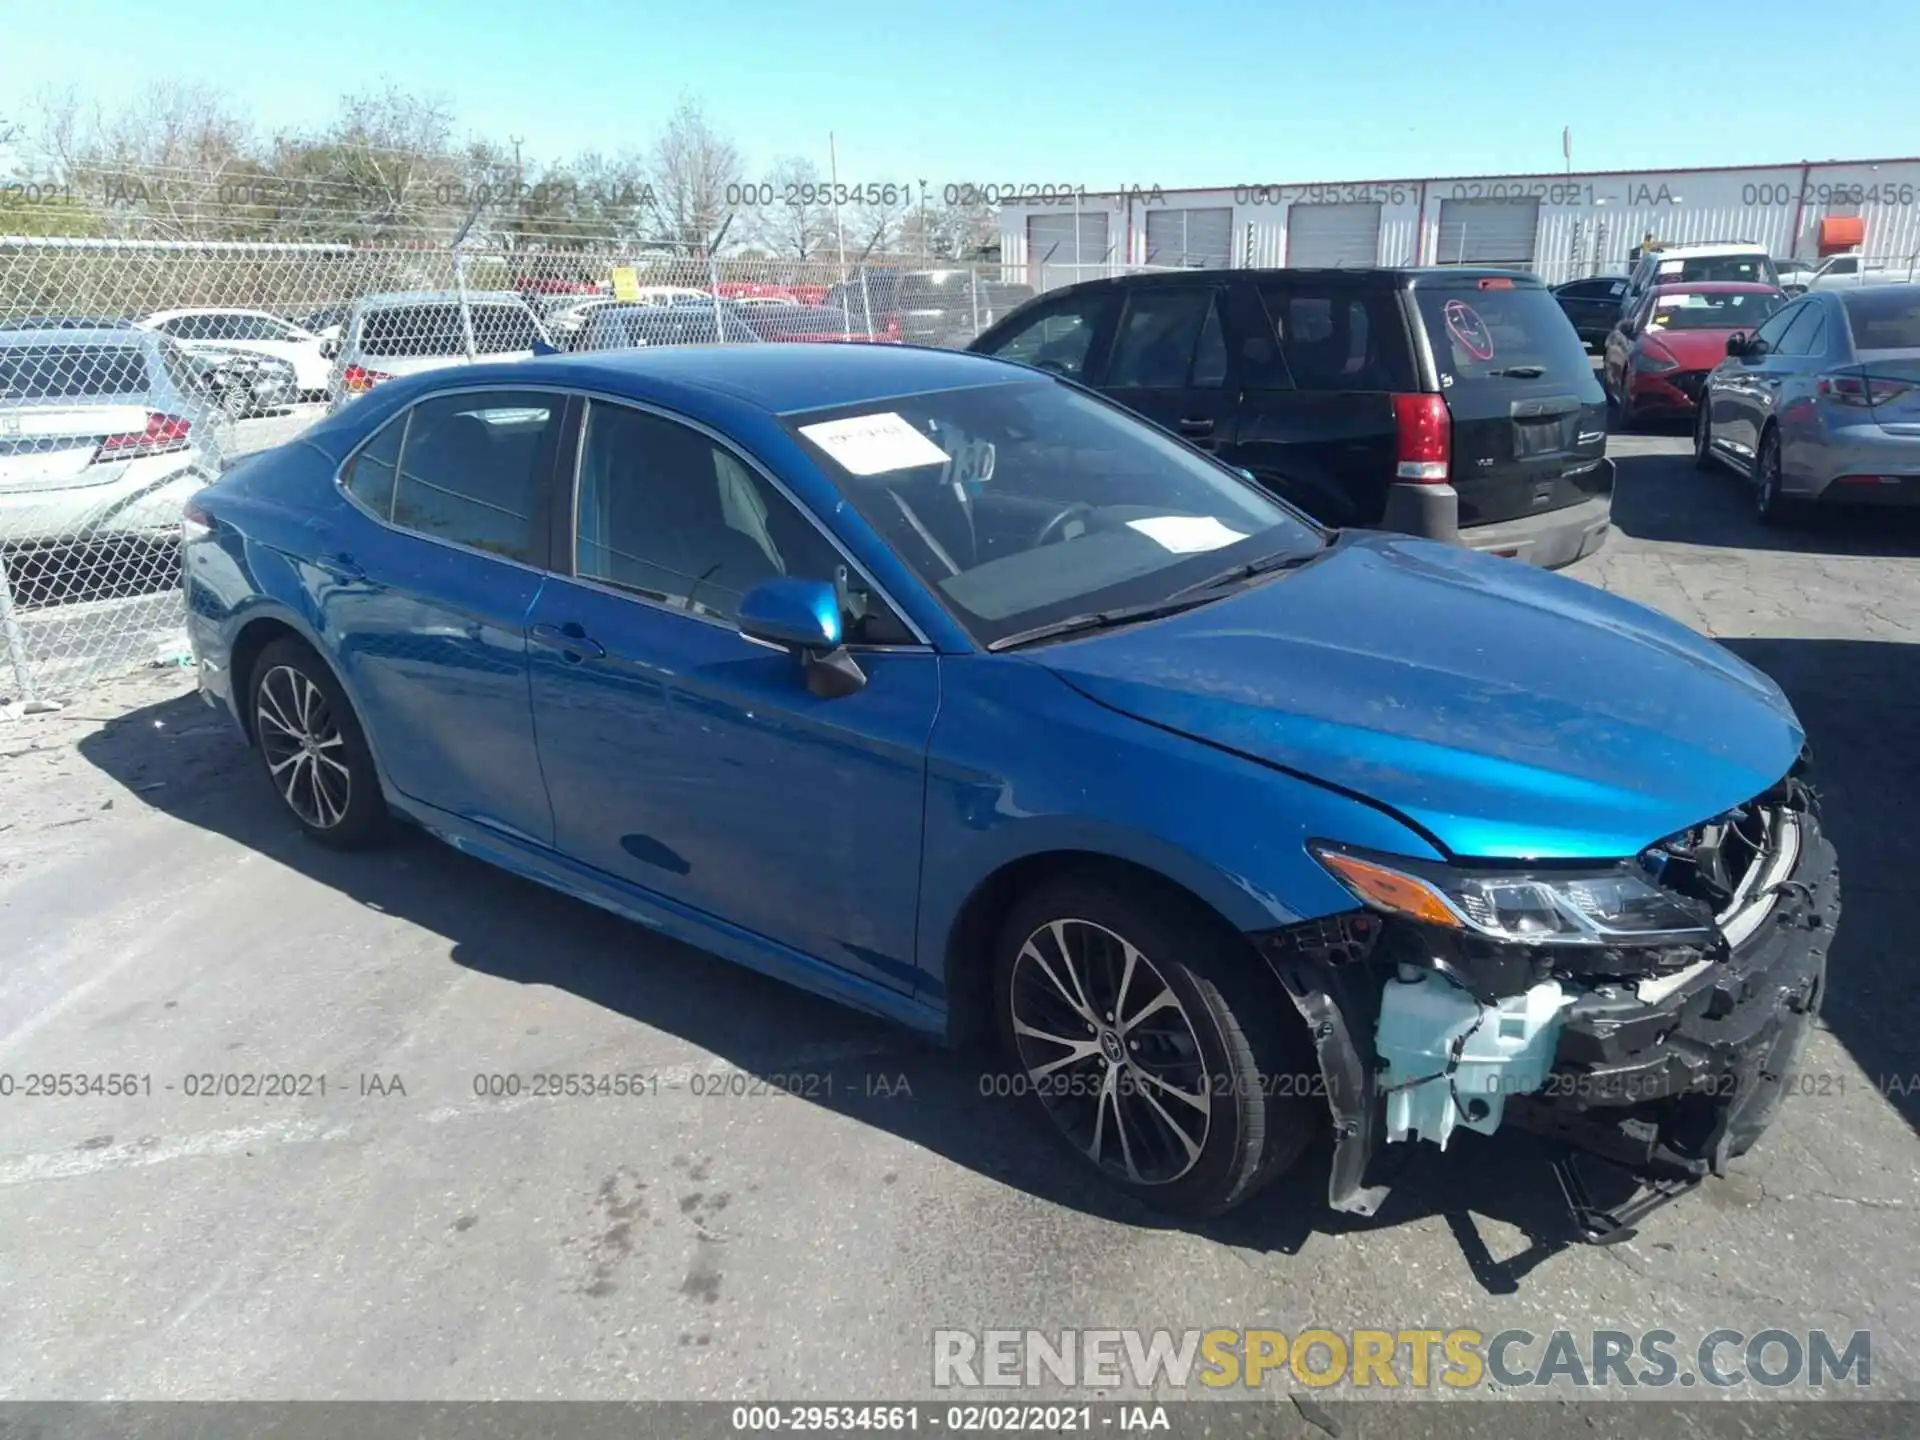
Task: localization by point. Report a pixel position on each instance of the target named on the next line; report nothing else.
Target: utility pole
(833, 175)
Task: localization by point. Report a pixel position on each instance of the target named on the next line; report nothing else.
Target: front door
(687, 760)
(1169, 363)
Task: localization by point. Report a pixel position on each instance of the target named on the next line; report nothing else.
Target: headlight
(1616, 904)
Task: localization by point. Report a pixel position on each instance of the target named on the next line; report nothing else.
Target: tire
(1214, 1028)
(1703, 437)
(1772, 507)
(330, 785)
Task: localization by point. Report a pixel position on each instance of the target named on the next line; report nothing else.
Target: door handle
(1196, 427)
(340, 567)
(570, 639)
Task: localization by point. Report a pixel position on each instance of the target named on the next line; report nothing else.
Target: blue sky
(1204, 92)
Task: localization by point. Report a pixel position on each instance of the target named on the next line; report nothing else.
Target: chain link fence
(133, 371)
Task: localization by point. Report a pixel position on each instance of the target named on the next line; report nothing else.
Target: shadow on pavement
(1663, 497)
(1860, 701)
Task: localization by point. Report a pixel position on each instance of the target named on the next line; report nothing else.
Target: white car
(104, 434)
(1738, 260)
(1838, 270)
(213, 328)
(668, 295)
(411, 331)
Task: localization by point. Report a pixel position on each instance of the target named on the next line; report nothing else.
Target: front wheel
(313, 749)
(1773, 507)
(1154, 1043)
(1702, 437)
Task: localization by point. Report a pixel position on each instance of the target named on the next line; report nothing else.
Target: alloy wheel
(1110, 1051)
(304, 749)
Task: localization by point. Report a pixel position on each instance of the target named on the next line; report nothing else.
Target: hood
(1507, 711)
(1694, 349)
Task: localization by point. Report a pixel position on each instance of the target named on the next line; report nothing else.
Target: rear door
(1316, 420)
(1529, 418)
(1169, 363)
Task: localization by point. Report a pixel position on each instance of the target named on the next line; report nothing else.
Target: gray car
(1821, 404)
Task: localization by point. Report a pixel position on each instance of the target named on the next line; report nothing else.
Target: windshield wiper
(1521, 372)
(1279, 560)
(1100, 620)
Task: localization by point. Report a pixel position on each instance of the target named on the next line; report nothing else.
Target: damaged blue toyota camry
(948, 689)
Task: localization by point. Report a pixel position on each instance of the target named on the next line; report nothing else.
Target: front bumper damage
(1666, 1065)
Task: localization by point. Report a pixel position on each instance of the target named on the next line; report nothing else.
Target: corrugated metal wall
(1586, 223)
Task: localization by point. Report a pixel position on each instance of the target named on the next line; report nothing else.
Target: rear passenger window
(1160, 337)
(471, 467)
(369, 475)
(1340, 341)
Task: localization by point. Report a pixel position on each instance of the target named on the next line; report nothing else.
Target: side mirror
(804, 616)
(1246, 474)
(1737, 344)
(541, 347)
(330, 348)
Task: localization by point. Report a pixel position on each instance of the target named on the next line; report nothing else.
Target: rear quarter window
(1485, 336)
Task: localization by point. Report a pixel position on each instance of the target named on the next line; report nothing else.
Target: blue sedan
(948, 689)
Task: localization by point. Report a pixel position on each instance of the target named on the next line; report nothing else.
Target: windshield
(1738, 310)
(1022, 504)
(1501, 335)
(411, 332)
(1747, 269)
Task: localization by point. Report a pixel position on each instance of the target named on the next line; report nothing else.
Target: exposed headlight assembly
(1617, 904)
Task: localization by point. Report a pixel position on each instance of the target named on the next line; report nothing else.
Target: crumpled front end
(1667, 1052)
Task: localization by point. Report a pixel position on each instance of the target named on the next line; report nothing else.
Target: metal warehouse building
(1559, 225)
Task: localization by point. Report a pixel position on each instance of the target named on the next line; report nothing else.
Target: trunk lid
(1528, 416)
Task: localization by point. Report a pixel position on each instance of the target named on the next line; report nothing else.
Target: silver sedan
(1821, 404)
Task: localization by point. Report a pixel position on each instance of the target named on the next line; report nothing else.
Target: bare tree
(690, 168)
(792, 216)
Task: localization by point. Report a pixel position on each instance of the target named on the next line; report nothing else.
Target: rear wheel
(1153, 1043)
(313, 749)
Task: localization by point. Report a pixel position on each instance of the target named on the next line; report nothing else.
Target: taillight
(1859, 390)
(1425, 432)
(163, 433)
(357, 379)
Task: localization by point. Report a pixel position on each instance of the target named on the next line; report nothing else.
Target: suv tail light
(357, 379)
(1425, 430)
(1852, 388)
(163, 433)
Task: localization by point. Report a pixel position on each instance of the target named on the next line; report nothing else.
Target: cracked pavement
(408, 1234)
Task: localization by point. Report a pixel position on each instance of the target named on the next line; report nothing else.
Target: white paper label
(874, 444)
(1185, 534)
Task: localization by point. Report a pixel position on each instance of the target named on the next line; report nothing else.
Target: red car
(1657, 359)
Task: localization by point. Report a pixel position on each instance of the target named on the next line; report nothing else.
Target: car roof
(777, 379)
(1708, 252)
(206, 310)
(1352, 276)
(393, 298)
(1716, 287)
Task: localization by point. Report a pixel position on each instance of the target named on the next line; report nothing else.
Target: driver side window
(674, 516)
(1057, 337)
(1768, 335)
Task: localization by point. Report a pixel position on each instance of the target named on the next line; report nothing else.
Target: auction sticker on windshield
(874, 444)
(1186, 534)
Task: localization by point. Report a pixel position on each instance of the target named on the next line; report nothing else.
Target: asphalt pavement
(798, 1197)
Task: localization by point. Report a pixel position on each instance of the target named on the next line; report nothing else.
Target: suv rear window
(1338, 339)
(69, 372)
(1884, 319)
(406, 332)
(1501, 336)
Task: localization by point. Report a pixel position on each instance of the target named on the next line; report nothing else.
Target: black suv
(1453, 403)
